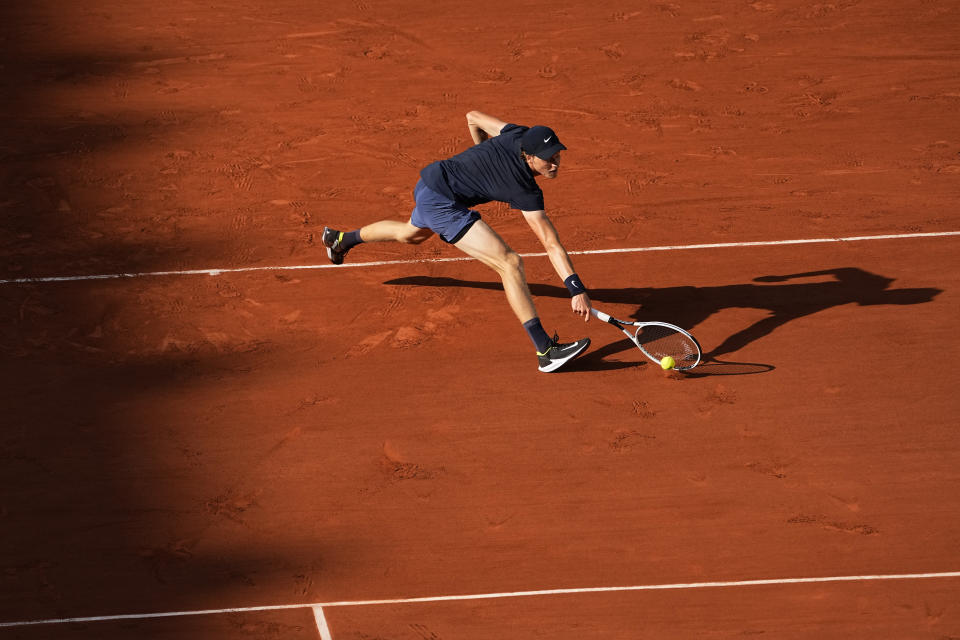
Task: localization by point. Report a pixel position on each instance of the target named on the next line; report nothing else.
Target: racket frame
(623, 324)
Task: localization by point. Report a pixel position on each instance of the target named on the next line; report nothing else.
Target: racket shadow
(597, 360)
(721, 368)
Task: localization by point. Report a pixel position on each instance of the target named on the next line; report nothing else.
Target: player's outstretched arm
(560, 259)
(483, 126)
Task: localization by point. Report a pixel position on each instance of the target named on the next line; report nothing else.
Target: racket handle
(600, 314)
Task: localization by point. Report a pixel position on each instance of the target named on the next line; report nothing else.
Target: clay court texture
(208, 431)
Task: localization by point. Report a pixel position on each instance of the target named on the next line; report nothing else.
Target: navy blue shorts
(448, 219)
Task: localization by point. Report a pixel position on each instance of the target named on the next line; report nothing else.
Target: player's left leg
(339, 242)
(424, 223)
(394, 231)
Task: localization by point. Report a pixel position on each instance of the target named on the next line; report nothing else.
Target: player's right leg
(483, 243)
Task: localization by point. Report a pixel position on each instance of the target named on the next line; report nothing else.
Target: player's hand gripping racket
(658, 340)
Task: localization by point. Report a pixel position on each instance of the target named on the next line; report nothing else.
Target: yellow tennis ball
(668, 363)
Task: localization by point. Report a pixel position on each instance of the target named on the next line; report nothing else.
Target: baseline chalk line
(355, 265)
(317, 607)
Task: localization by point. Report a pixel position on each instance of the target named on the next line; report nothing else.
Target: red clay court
(208, 431)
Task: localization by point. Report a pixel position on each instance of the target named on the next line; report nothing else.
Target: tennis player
(503, 165)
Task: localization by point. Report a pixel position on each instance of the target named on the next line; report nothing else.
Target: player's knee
(512, 262)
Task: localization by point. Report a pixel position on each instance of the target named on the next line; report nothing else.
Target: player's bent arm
(483, 126)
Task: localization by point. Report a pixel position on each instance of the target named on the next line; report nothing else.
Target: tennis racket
(658, 340)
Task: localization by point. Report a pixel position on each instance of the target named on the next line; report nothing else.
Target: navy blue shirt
(491, 170)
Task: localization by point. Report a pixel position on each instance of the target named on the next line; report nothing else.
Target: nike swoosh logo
(547, 139)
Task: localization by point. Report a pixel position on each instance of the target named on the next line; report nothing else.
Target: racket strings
(659, 341)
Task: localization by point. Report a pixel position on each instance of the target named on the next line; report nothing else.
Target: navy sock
(350, 239)
(539, 337)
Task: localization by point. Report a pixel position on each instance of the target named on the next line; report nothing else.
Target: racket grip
(600, 314)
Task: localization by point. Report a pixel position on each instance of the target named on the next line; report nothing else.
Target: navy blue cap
(541, 141)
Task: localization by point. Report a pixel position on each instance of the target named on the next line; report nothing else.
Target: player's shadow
(783, 296)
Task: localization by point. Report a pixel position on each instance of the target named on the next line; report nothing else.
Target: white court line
(321, 624)
(354, 265)
(487, 596)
